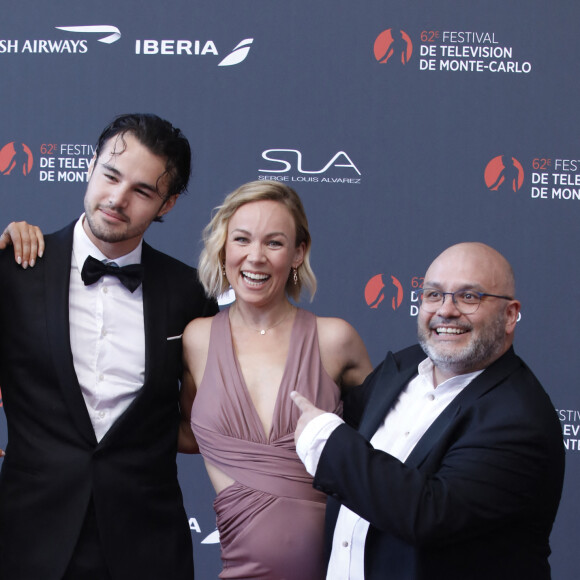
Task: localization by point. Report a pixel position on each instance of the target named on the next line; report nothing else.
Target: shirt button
(101, 414)
(105, 289)
(103, 332)
(101, 377)
(407, 433)
(345, 544)
(431, 397)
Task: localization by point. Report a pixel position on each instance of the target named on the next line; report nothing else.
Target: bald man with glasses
(449, 462)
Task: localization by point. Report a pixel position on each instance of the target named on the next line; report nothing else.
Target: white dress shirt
(107, 334)
(419, 404)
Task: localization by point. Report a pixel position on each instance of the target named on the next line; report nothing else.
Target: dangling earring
(223, 270)
(295, 277)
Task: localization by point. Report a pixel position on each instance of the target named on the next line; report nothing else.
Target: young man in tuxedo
(90, 362)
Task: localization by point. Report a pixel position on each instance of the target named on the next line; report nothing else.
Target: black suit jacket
(476, 498)
(53, 462)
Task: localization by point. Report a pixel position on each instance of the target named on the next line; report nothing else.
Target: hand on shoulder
(27, 240)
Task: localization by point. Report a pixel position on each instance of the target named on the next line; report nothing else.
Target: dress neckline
(283, 380)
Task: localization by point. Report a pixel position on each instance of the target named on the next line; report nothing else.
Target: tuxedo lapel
(388, 386)
(155, 315)
(57, 264)
(488, 379)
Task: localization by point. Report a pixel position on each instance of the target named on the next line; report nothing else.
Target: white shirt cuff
(313, 439)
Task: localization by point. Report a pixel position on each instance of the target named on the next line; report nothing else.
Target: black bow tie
(130, 276)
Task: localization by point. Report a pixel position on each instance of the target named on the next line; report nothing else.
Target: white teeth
(253, 276)
(447, 330)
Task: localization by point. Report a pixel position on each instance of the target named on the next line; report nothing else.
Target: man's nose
(448, 307)
(119, 196)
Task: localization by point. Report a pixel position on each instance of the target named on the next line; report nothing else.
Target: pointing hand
(309, 412)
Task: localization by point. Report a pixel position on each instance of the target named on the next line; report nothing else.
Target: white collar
(426, 368)
(84, 247)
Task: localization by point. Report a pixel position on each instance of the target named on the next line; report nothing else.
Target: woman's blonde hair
(215, 233)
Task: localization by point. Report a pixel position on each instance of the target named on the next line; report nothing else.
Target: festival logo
(375, 292)
(393, 46)
(504, 173)
(570, 421)
(552, 179)
(16, 159)
(555, 178)
(468, 52)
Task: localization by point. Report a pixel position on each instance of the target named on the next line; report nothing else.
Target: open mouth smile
(446, 330)
(255, 279)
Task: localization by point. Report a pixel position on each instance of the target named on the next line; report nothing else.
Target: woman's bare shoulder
(335, 331)
(342, 351)
(197, 333)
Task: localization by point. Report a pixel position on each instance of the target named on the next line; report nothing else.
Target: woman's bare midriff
(218, 478)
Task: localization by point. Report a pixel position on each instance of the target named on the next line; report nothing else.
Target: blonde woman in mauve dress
(240, 367)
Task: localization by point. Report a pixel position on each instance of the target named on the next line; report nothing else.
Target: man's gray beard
(487, 348)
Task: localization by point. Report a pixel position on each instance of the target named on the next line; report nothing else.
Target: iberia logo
(375, 292)
(15, 159)
(504, 173)
(393, 45)
(239, 53)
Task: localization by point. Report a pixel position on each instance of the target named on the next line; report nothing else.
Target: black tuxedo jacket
(476, 498)
(53, 462)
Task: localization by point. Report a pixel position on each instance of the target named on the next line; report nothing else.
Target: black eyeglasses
(466, 301)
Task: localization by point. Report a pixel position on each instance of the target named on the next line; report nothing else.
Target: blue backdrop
(405, 127)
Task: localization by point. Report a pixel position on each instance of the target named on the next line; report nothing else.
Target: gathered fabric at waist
(271, 468)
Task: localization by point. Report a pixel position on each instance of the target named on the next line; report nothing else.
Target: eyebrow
(438, 286)
(269, 235)
(140, 184)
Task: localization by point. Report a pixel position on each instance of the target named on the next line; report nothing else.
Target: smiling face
(461, 343)
(124, 195)
(260, 252)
